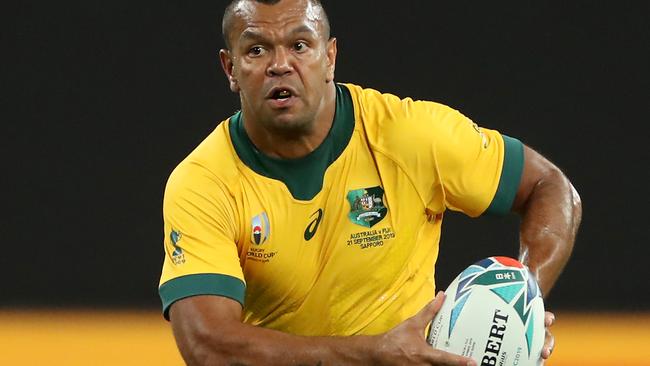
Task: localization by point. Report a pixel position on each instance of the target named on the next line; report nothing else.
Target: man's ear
(229, 69)
(331, 59)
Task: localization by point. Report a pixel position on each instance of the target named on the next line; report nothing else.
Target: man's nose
(280, 63)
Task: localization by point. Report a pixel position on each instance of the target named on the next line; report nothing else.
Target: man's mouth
(281, 94)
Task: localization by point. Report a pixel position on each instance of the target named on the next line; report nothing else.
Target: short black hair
(230, 11)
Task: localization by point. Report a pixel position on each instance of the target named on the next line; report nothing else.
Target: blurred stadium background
(102, 99)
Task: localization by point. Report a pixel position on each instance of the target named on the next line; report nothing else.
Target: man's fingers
(427, 313)
(549, 319)
(549, 345)
(450, 359)
(425, 316)
(548, 349)
(549, 340)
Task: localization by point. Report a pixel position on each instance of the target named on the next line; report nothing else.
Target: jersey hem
(513, 166)
(200, 284)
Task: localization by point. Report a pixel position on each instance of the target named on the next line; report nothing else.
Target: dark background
(102, 99)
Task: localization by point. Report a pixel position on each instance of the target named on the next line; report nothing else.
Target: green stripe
(513, 166)
(200, 284)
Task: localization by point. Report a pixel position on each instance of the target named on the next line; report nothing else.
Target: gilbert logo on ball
(493, 313)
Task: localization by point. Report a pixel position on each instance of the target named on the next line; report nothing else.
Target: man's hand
(406, 345)
(549, 341)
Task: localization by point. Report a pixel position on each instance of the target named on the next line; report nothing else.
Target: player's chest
(362, 215)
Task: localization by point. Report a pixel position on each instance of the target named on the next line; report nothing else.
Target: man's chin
(289, 125)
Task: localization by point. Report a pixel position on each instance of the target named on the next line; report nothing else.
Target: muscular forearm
(249, 345)
(550, 221)
(208, 331)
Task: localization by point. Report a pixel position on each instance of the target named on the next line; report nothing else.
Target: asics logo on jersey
(310, 231)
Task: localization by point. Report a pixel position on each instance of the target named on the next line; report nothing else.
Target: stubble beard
(293, 128)
(287, 126)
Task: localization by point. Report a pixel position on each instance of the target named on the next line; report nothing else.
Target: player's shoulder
(387, 110)
(393, 121)
(213, 161)
(393, 105)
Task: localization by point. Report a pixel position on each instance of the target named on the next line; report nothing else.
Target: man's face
(280, 63)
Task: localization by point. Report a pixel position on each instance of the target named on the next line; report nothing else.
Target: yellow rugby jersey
(340, 242)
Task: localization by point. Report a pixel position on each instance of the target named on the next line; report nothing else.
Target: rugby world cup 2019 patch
(260, 228)
(260, 234)
(367, 206)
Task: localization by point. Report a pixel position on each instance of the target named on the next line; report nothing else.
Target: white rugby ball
(493, 313)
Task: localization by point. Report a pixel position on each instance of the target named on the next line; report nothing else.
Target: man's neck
(293, 146)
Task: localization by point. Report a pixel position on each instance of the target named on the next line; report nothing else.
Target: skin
(200, 324)
(282, 46)
(551, 212)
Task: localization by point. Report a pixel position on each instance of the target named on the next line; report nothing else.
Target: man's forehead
(302, 14)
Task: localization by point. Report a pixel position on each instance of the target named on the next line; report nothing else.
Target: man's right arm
(209, 331)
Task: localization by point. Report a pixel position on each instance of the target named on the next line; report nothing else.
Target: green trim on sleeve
(200, 284)
(513, 166)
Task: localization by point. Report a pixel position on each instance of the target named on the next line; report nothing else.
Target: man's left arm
(466, 159)
(551, 211)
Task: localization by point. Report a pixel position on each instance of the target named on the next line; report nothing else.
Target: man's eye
(299, 46)
(255, 51)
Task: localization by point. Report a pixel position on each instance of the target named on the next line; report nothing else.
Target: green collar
(303, 176)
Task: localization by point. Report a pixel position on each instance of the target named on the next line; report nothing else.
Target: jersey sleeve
(451, 162)
(479, 168)
(201, 255)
